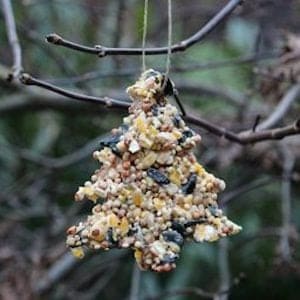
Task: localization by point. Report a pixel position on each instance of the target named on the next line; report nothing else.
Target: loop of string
(145, 23)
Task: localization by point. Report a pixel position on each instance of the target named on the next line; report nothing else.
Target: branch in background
(195, 291)
(64, 161)
(233, 97)
(245, 188)
(13, 40)
(268, 232)
(281, 109)
(135, 282)
(102, 51)
(57, 271)
(191, 67)
(188, 291)
(288, 166)
(224, 271)
(242, 138)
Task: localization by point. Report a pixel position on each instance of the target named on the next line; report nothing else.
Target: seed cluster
(150, 192)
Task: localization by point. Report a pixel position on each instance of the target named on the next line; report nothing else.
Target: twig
(245, 138)
(224, 271)
(281, 109)
(232, 97)
(180, 105)
(13, 40)
(64, 161)
(195, 291)
(288, 165)
(242, 189)
(188, 291)
(242, 138)
(191, 67)
(106, 101)
(135, 283)
(269, 232)
(256, 122)
(59, 269)
(102, 51)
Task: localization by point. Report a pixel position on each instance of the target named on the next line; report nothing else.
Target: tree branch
(286, 202)
(281, 109)
(102, 51)
(13, 40)
(106, 101)
(242, 138)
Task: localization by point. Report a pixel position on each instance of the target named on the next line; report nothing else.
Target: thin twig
(102, 51)
(187, 291)
(106, 101)
(180, 105)
(13, 39)
(59, 269)
(281, 109)
(64, 161)
(245, 188)
(286, 199)
(135, 283)
(195, 67)
(224, 271)
(242, 138)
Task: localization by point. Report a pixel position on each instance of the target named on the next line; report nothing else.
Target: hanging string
(168, 62)
(145, 23)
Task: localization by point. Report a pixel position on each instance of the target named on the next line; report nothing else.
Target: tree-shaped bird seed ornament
(150, 193)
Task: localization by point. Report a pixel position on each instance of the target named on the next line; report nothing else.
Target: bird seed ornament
(150, 193)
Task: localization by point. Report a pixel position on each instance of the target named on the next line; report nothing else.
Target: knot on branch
(100, 50)
(53, 38)
(25, 78)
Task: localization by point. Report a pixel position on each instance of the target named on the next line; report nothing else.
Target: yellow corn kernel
(175, 177)
(113, 220)
(138, 254)
(158, 203)
(124, 226)
(137, 198)
(140, 124)
(199, 169)
(77, 252)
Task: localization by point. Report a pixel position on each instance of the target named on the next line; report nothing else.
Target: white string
(145, 23)
(168, 62)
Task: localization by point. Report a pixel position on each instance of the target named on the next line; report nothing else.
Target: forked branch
(242, 138)
(13, 39)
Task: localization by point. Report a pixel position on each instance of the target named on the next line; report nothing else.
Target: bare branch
(191, 67)
(224, 270)
(242, 138)
(64, 161)
(13, 39)
(59, 269)
(135, 283)
(188, 291)
(281, 109)
(286, 199)
(102, 51)
(106, 101)
(246, 137)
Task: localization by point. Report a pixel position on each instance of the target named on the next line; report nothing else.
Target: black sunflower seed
(157, 176)
(189, 187)
(173, 236)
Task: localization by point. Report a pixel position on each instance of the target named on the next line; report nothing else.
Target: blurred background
(240, 74)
